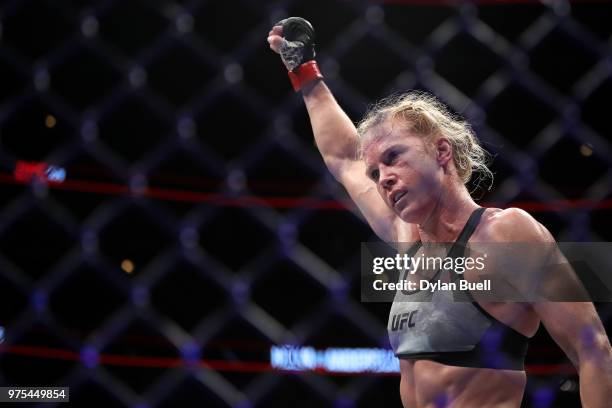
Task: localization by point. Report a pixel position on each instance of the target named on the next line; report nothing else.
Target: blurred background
(187, 224)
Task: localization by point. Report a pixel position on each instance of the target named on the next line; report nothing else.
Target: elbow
(594, 348)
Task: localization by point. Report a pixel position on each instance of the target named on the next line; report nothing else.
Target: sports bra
(433, 326)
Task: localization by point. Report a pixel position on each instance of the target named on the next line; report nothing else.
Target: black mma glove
(297, 51)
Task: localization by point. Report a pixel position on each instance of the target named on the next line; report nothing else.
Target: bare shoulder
(510, 225)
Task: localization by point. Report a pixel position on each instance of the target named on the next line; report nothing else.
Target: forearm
(334, 132)
(577, 328)
(595, 371)
(596, 379)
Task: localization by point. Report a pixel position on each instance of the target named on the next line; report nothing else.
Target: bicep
(364, 194)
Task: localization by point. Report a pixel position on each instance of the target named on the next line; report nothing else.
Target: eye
(391, 157)
(374, 174)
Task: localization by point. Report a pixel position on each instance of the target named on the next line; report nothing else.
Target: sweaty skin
(433, 206)
(426, 383)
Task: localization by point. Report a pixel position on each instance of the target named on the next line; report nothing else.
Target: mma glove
(297, 51)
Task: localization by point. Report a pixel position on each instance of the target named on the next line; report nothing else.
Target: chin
(411, 214)
(407, 214)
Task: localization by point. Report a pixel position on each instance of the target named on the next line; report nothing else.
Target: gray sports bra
(432, 326)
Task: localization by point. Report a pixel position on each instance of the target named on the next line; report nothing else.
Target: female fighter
(405, 167)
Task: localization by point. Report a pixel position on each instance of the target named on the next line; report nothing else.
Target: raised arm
(336, 139)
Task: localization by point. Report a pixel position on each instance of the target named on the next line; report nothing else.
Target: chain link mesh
(186, 93)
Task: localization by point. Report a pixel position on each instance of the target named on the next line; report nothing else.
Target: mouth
(397, 196)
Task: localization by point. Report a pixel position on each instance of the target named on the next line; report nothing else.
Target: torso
(425, 383)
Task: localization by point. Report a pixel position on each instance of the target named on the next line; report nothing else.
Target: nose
(387, 179)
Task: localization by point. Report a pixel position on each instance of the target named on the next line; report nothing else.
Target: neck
(448, 216)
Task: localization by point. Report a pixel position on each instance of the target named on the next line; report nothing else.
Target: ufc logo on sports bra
(399, 320)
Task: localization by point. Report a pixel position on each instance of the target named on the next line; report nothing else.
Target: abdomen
(426, 383)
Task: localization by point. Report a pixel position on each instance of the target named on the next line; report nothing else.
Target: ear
(444, 151)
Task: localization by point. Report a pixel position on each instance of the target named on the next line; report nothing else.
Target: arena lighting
(25, 171)
(127, 266)
(334, 360)
(50, 121)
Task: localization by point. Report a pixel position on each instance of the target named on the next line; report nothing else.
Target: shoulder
(510, 225)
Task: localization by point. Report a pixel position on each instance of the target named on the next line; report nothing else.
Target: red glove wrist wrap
(305, 73)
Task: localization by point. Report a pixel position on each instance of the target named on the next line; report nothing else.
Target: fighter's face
(407, 174)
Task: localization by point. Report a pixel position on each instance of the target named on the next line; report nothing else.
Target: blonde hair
(425, 115)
